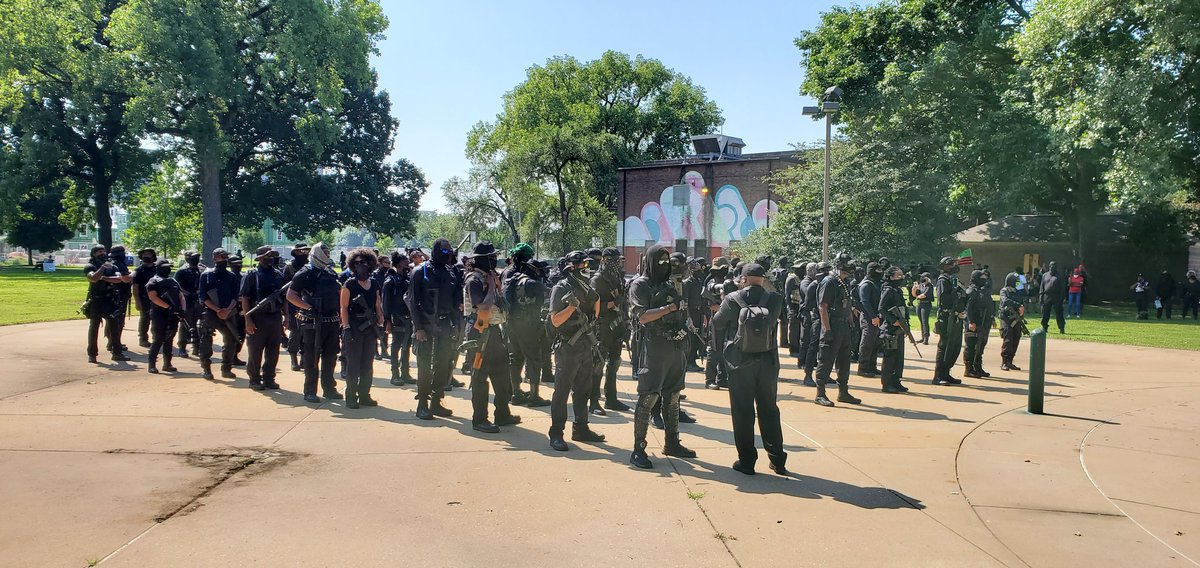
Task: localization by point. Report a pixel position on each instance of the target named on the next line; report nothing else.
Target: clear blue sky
(447, 64)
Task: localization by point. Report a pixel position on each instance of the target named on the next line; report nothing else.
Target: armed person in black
(894, 317)
(398, 318)
(660, 313)
(101, 304)
(748, 319)
(809, 309)
(693, 294)
(188, 278)
(165, 302)
(260, 292)
(949, 327)
(437, 313)
(834, 308)
(525, 291)
(980, 315)
(361, 317)
(122, 295)
(792, 298)
(295, 338)
(574, 307)
(612, 329)
(716, 375)
(218, 294)
(869, 320)
(141, 276)
(1012, 322)
(778, 278)
(378, 279)
(489, 362)
(315, 292)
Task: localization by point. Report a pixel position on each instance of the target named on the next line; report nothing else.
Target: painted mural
(662, 222)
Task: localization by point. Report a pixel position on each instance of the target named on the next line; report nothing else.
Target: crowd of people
(521, 323)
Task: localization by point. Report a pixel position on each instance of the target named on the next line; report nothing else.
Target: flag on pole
(965, 258)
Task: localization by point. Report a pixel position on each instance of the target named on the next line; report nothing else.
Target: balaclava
(162, 268)
(658, 264)
(442, 254)
(978, 278)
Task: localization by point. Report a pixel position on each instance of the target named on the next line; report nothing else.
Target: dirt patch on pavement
(222, 464)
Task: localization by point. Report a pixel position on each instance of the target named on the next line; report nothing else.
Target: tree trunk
(564, 215)
(103, 199)
(512, 228)
(210, 204)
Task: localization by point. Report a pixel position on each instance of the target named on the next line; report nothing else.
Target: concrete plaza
(111, 465)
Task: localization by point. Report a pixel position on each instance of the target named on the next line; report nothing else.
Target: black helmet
(946, 262)
(843, 261)
(824, 267)
(576, 257)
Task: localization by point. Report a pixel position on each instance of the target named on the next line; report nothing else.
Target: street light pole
(828, 107)
(825, 207)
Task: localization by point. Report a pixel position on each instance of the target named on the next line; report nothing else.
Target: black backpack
(754, 326)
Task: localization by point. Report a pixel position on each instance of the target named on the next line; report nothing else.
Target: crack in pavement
(226, 463)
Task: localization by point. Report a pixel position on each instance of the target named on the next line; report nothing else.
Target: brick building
(700, 205)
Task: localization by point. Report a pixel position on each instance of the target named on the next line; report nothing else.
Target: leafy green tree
(385, 243)
(250, 239)
(37, 226)
(164, 215)
(276, 105)
(63, 102)
(875, 210)
(1060, 107)
(570, 125)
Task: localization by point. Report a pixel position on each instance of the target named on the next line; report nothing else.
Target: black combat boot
(296, 362)
(845, 396)
(437, 409)
(580, 432)
(676, 449)
(423, 412)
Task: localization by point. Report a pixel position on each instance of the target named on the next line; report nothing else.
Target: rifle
(273, 302)
(367, 323)
(171, 300)
(903, 321)
(229, 326)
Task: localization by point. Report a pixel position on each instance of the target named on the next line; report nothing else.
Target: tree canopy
(1004, 106)
(571, 124)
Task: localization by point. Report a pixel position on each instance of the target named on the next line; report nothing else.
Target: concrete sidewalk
(116, 466)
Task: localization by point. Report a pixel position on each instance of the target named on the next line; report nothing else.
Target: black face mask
(362, 272)
(193, 261)
(222, 266)
(485, 263)
(163, 271)
(147, 260)
(300, 260)
(266, 265)
(442, 253)
(658, 263)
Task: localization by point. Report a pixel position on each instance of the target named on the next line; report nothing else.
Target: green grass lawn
(1111, 322)
(28, 296)
(1114, 322)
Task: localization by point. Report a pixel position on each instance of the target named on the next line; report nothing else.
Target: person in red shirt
(1075, 294)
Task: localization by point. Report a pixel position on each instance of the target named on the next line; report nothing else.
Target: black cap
(575, 257)
(149, 250)
(299, 248)
(483, 248)
(754, 269)
(594, 252)
(611, 252)
(219, 252)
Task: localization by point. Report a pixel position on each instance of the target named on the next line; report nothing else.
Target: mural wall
(723, 212)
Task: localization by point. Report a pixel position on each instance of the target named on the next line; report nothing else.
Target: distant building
(1028, 241)
(699, 205)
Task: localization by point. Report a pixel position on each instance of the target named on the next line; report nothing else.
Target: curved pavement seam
(1092, 480)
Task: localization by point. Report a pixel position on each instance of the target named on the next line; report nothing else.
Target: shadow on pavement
(799, 485)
